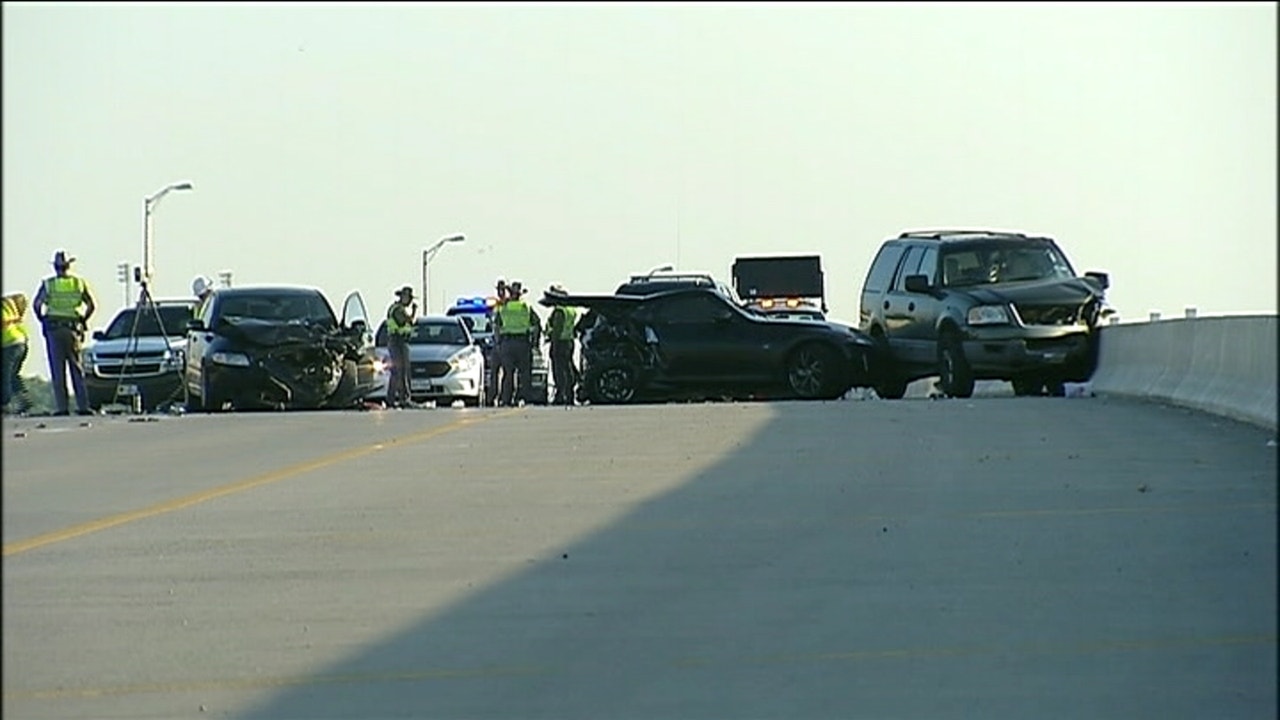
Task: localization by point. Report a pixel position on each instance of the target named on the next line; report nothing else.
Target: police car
(477, 312)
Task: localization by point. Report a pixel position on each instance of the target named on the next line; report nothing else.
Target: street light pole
(149, 204)
(426, 260)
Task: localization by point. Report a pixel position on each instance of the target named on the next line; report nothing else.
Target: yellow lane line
(263, 682)
(168, 506)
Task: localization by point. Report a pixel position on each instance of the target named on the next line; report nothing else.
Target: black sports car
(278, 348)
(695, 343)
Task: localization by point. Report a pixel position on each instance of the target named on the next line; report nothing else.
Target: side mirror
(99, 335)
(358, 327)
(1102, 279)
(195, 325)
(918, 284)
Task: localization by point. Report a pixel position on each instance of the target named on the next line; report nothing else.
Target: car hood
(150, 344)
(433, 353)
(269, 333)
(1072, 291)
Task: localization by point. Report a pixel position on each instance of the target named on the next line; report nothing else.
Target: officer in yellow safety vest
(63, 304)
(401, 317)
(517, 328)
(15, 353)
(559, 333)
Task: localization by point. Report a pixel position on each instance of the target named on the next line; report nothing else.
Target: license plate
(127, 390)
(421, 385)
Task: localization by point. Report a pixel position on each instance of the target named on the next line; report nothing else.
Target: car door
(918, 336)
(355, 319)
(700, 337)
(899, 305)
(198, 342)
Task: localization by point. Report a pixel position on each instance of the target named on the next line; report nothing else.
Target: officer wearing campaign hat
(559, 333)
(63, 304)
(401, 316)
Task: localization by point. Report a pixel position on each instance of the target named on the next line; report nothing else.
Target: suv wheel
(956, 378)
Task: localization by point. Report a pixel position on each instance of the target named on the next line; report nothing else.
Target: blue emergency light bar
(478, 302)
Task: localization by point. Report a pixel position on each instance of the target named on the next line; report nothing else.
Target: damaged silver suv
(968, 305)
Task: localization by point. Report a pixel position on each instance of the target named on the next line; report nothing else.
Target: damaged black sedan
(697, 344)
(278, 348)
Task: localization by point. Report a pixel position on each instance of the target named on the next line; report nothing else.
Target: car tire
(889, 385)
(813, 373)
(612, 384)
(954, 374)
(208, 400)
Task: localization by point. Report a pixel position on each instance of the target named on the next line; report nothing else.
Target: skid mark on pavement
(168, 506)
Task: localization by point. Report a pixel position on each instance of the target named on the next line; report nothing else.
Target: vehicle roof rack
(938, 234)
(671, 276)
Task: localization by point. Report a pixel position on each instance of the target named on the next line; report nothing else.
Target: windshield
(479, 323)
(1002, 263)
(439, 333)
(280, 308)
(174, 317)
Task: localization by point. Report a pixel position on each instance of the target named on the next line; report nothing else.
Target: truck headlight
(230, 358)
(988, 315)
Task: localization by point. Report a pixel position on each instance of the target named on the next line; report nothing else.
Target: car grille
(143, 368)
(428, 369)
(1049, 314)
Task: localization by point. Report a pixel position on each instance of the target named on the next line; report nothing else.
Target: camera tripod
(145, 302)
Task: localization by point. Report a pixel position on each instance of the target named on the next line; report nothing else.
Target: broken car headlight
(988, 315)
(230, 358)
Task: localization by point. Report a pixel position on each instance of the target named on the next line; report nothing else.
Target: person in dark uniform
(401, 316)
(516, 328)
(63, 304)
(561, 325)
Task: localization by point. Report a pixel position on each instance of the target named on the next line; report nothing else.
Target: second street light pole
(426, 260)
(148, 242)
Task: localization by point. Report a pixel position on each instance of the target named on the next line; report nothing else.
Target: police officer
(517, 328)
(560, 328)
(63, 304)
(401, 317)
(202, 288)
(15, 353)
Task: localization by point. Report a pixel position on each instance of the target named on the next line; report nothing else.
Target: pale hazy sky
(330, 143)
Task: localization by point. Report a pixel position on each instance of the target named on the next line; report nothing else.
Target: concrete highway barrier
(1223, 365)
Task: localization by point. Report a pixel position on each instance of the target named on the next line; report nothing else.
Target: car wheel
(1056, 388)
(813, 372)
(613, 384)
(208, 400)
(953, 370)
(889, 385)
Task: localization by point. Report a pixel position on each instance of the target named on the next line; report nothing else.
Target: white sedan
(445, 363)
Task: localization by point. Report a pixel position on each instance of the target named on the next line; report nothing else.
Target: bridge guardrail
(1224, 365)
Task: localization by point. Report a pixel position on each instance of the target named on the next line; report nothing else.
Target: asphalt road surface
(987, 558)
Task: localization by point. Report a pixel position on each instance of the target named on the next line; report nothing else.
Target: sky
(329, 144)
